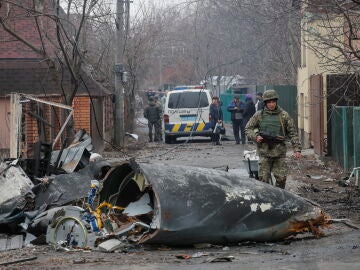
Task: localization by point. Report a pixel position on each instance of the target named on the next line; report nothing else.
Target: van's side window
(188, 100)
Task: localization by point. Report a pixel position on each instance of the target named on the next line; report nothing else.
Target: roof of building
(36, 78)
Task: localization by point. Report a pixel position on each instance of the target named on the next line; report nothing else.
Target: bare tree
(257, 39)
(60, 38)
(333, 33)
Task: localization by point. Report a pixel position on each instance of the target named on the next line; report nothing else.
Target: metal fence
(345, 139)
(356, 135)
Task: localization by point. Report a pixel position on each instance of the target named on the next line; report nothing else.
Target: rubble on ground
(87, 203)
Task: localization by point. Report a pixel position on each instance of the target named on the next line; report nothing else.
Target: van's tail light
(166, 119)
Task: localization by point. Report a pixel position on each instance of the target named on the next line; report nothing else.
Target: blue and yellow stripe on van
(187, 127)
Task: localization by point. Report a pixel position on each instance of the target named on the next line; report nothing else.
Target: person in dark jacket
(153, 113)
(236, 107)
(249, 110)
(216, 117)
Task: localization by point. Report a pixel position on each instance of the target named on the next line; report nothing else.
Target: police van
(186, 113)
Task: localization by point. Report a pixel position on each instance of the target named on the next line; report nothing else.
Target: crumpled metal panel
(13, 182)
(9, 242)
(66, 188)
(194, 205)
(16, 196)
(73, 156)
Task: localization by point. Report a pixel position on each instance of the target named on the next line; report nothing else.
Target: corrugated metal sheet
(356, 136)
(5, 123)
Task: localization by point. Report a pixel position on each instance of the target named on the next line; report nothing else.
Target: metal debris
(131, 202)
(76, 156)
(61, 190)
(110, 245)
(195, 205)
(8, 242)
(19, 261)
(226, 258)
(15, 180)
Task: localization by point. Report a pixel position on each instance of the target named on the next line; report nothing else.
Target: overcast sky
(161, 3)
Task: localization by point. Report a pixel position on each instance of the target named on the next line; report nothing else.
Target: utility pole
(119, 131)
(160, 71)
(127, 12)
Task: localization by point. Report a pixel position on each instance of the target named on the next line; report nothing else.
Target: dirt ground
(324, 182)
(319, 180)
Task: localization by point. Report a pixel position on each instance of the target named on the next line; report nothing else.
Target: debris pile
(87, 203)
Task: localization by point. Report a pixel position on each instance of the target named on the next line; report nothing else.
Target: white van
(186, 113)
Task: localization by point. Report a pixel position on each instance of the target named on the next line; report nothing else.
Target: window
(188, 100)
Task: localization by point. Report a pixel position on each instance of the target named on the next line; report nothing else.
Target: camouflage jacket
(276, 149)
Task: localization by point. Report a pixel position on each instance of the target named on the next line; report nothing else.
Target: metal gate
(342, 90)
(345, 141)
(317, 114)
(356, 136)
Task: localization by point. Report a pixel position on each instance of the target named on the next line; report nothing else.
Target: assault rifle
(271, 139)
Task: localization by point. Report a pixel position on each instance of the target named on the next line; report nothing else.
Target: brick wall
(81, 107)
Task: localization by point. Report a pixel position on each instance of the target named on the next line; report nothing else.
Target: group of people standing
(240, 111)
(265, 123)
(240, 115)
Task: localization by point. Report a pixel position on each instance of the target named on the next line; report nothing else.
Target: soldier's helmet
(269, 95)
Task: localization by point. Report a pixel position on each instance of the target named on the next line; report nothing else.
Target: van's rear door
(187, 111)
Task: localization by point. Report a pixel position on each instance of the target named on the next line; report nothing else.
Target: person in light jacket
(236, 107)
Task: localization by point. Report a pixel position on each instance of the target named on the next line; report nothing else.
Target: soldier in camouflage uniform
(269, 129)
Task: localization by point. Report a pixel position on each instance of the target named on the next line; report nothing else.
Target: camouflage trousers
(157, 126)
(277, 166)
